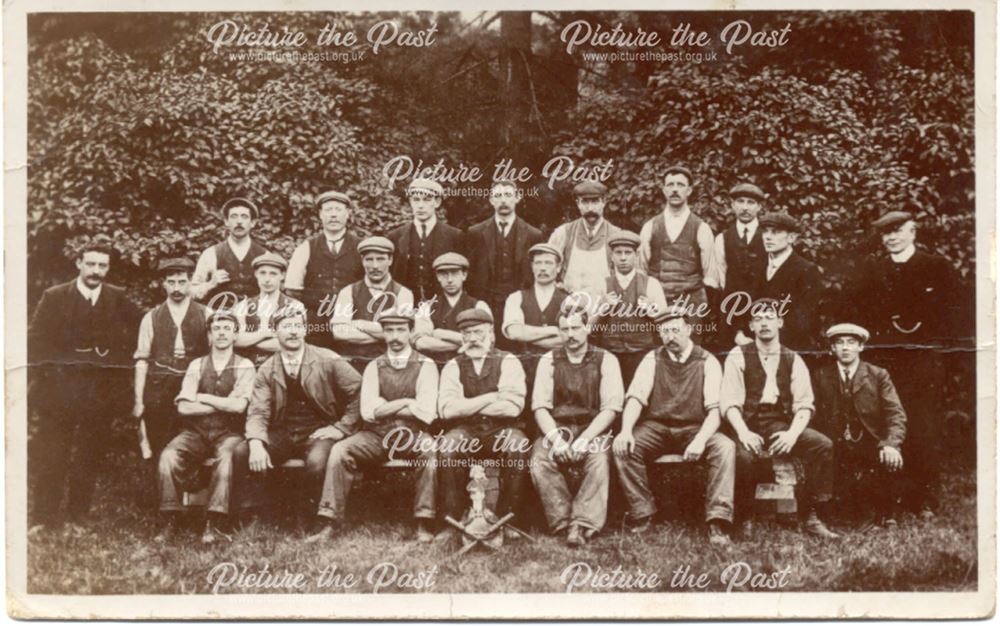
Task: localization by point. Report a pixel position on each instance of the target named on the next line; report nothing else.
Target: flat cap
(671, 313)
(747, 190)
(764, 305)
(780, 220)
(679, 169)
(223, 315)
(392, 314)
(892, 220)
(334, 195)
(625, 238)
(239, 201)
(847, 329)
(473, 317)
(451, 261)
(590, 189)
(177, 264)
(425, 185)
(544, 248)
(270, 258)
(376, 244)
(285, 312)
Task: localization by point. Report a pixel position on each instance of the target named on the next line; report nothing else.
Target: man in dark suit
(858, 409)
(787, 277)
(422, 240)
(500, 263)
(79, 355)
(739, 254)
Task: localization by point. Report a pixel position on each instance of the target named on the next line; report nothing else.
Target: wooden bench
(778, 496)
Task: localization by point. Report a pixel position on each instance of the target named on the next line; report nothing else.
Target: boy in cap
(399, 393)
(861, 413)
(437, 332)
(577, 395)
(256, 339)
(672, 406)
(171, 335)
(211, 404)
(354, 328)
(324, 264)
(583, 243)
(480, 399)
(422, 240)
(767, 398)
(739, 254)
(224, 275)
(631, 303)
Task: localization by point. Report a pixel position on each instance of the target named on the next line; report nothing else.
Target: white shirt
(645, 377)
(684, 355)
(208, 263)
(742, 229)
(510, 223)
(90, 294)
(425, 407)
(773, 265)
(295, 277)
(674, 222)
(849, 371)
(144, 346)
(427, 227)
(292, 362)
(904, 256)
(513, 313)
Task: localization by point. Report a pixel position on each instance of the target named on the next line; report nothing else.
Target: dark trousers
(367, 449)
(160, 413)
(75, 408)
(629, 362)
(863, 485)
(496, 440)
(813, 448)
(206, 437)
(283, 447)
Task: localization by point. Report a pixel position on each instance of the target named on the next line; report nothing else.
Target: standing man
(787, 277)
(256, 340)
(441, 338)
(908, 298)
(577, 395)
(422, 240)
(583, 243)
(324, 264)
(399, 393)
(305, 399)
(767, 397)
(677, 245)
(500, 263)
(861, 412)
(354, 328)
(633, 300)
(224, 274)
(481, 396)
(170, 337)
(79, 344)
(672, 406)
(211, 404)
(739, 256)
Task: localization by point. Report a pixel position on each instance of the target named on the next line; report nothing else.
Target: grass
(117, 554)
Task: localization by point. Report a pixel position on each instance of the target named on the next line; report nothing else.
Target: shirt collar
(399, 360)
(780, 260)
(87, 292)
(751, 227)
(850, 370)
(905, 255)
(684, 355)
(680, 217)
(510, 220)
(625, 279)
(591, 231)
(180, 307)
(431, 223)
(385, 287)
(771, 350)
(297, 357)
(547, 290)
(238, 246)
(334, 239)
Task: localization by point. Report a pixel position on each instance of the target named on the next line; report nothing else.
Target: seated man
(577, 395)
(437, 332)
(256, 339)
(864, 417)
(214, 395)
(398, 402)
(672, 406)
(481, 396)
(767, 397)
(305, 399)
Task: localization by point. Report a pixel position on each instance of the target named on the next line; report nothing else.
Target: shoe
(509, 534)
(212, 534)
(446, 537)
(641, 525)
(574, 538)
(890, 523)
(424, 534)
(323, 534)
(167, 532)
(815, 526)
(716, 535)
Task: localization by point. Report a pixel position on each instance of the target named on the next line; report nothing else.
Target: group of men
(588, 349)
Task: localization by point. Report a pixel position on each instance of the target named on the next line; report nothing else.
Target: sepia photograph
(441, 312)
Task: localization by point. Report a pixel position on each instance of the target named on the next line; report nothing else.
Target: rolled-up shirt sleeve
(712, 383)
(295, 277)
(612, 388)
(512, 312)
(802, 391)
(425, 408)
(645, 239)
(371, 394)
(450, 387)
(512, 385)
(654, 293)
(541, 393)
(706, 243)
(719, 266)
(642, 381)
(733, 392)
(144, 344)
(189, 386)
(343, 309)
(245, 373)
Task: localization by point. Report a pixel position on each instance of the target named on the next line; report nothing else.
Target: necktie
(746, 236)
(423, 231)
(503, 229)
(332, 245)
(845, 381)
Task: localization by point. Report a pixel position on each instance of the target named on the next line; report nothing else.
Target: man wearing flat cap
(672, 406)
(171, 335)
(907, 297)
(632, 300)
(437, 332)
(211, 409)
(786, 276)
(583, 243)
(739, 255)
(676, 245)
(324, 264)
(498, 246)
(480, 399)
(399, 392)
(355, 331)
(857, 407)
(224, 274)
(767, 398)
(422, 240)
(255, 339)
